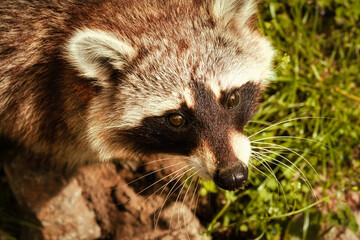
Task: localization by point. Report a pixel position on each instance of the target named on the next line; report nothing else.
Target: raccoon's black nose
(231, 178)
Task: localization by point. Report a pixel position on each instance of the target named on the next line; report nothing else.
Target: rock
(181, 222)
(66, 216)
(57, 203)
(101, 201)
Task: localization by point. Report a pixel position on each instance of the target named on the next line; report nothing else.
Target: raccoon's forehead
(167, 70)
(218, 60)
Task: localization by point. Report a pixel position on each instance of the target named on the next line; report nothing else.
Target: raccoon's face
(188, 93)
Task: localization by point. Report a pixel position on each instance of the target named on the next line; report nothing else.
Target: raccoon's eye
(176, 120)
(233, 100)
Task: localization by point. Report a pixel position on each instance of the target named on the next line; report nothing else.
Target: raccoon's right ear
(97, 54)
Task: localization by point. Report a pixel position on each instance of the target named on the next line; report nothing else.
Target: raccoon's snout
(232, 177)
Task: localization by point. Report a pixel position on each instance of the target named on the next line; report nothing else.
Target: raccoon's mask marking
(211, 134)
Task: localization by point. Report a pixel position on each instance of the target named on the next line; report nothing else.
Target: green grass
(310, 119)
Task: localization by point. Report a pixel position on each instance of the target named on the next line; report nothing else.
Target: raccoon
(95, 80)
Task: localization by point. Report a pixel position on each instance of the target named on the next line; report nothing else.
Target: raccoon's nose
(231, 178)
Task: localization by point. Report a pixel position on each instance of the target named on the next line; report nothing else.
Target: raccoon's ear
(238, 12)
(97, 54)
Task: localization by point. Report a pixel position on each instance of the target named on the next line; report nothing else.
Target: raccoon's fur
(94, 80)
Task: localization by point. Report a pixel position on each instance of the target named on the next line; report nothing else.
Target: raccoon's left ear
(238, 12)
(97, 54)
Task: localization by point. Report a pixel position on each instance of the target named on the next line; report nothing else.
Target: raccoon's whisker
(278, 163)
(285, 121)
(264, 163)
(262, 173)
(283, 165)
(199, 194)
(197, 198)
(289, 149)
(177, 198)
(257, 169)
(171, 191)
(277, 148)
(158, 160)
(148, 174)
(162, 188)
(182, 205)
(302, 177)
(138, 193)
(192, 198)
(267, 167)
(183, 160)
(157, 213)
(299, 138)
(266, 176)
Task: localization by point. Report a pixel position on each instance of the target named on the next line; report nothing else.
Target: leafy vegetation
(306, 135)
